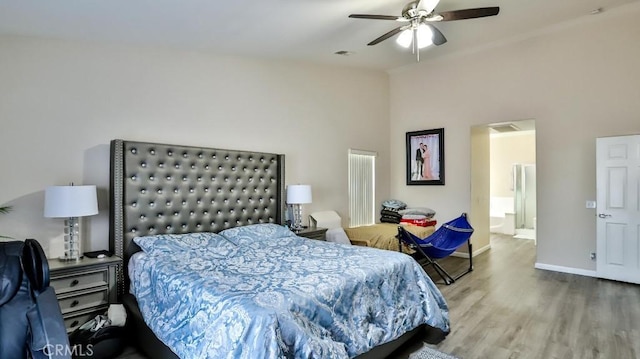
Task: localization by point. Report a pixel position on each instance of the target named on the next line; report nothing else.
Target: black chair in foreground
(440, 244)
(31, 324)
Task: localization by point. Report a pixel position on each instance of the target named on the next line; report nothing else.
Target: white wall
(62, 102)
(578, 82)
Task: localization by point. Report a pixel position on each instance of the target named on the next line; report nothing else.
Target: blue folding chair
(440, 244)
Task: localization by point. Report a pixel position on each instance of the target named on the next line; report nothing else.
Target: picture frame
(425, 157)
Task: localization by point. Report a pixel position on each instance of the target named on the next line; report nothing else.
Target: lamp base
(69, 259)
(297, 217)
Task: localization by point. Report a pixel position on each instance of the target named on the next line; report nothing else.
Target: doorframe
(480, 183)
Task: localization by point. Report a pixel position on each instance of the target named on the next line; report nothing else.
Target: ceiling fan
(418, 31)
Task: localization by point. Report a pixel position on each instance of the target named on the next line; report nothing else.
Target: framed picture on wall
(425, 157)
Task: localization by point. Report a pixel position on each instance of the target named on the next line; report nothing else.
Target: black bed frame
(160, 188)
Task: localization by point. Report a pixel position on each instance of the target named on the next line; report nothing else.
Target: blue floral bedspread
(262, 292)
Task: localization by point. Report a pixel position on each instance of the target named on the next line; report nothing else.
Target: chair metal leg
(446, 277)
(470, 261)
(425, 260)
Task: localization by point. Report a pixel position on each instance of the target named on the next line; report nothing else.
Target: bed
(163, 191)
(384, 235)
(380, 235)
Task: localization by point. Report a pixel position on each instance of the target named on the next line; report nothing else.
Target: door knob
(603, 215)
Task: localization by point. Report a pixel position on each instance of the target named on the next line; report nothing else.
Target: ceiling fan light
(404, 39)
(425, 36)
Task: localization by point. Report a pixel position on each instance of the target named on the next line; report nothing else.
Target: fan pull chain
(414, 41)
(416, 49)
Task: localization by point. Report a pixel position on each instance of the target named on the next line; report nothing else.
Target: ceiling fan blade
(469, 13)
(427, 5)
(376, 17)
(386, 36)
(438, 39)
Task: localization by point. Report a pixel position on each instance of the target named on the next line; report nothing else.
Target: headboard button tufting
(202, 189)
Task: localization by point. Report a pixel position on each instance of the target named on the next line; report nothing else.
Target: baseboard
(475, 253)
(570, 270)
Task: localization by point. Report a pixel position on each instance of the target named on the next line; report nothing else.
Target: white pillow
(326, 219)
(337, 235)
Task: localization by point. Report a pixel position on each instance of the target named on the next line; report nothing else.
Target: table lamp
(297, 195)
(70, 202)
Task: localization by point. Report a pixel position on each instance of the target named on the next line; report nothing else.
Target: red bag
(420, 222)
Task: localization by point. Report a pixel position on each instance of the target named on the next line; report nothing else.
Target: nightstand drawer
(317, 233)
(84, 301)
(79, 281)
(72, 323)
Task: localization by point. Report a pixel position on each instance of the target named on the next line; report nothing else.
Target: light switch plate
(591, 204)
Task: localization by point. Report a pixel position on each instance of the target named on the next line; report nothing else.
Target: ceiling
(507, 128)
(299, 30)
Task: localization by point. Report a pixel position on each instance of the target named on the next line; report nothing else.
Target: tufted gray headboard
(159, 188)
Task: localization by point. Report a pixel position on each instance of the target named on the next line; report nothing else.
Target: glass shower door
(524, 177)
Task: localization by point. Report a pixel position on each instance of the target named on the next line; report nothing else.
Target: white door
(618, 208)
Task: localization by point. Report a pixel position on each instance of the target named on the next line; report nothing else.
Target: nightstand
(84, 288)
(312, 232)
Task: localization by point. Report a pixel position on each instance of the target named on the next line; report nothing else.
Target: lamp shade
(70, 201)
(299, 194)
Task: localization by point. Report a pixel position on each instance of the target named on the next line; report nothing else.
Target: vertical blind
(362, 170)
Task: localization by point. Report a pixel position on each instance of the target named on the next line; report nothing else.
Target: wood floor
(506, 309)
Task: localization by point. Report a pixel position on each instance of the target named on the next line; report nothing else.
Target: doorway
(512, 168)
